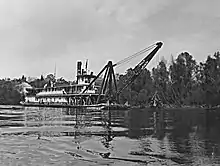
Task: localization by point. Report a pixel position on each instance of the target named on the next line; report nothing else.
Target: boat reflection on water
(115, 137)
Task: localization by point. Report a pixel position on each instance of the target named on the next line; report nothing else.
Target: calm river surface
(50, 136)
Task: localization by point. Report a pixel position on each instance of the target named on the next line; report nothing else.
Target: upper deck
(83, 79)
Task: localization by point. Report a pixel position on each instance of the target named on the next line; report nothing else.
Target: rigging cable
(126, 60)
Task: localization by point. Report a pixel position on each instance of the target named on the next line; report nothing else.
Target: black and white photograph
(109, 82)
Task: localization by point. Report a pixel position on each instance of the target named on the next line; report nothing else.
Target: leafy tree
(9, 93)
(138, 92)
(211, 79)
(41, 77)
(160, 76)
(181, 73)
(23, 78)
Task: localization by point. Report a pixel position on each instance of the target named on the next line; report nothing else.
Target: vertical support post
(102, 85)
(115, 84)
(110, 82)
(107, 79)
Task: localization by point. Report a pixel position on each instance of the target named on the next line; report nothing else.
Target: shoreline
(106, 107)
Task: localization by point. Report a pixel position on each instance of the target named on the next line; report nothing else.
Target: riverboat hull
(65, 105)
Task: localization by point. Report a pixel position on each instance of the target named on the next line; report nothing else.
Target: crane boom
(109, 79)
(141, 65)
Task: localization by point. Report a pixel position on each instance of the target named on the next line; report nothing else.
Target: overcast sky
(36, 34)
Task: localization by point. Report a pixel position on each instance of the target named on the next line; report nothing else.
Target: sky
(36, 35)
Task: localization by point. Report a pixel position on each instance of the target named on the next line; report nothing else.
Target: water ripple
(50, 136)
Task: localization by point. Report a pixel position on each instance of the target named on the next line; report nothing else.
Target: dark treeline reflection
(187, 131)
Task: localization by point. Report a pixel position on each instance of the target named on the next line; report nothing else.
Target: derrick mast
(109, 86)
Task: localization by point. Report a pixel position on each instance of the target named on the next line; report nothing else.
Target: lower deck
(65, 99)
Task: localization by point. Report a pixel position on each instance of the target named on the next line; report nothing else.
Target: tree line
(12, 91)
(183, 82)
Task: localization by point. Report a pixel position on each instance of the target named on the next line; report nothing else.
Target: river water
(52, 136)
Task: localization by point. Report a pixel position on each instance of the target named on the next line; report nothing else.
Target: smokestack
(79, 68)
(86, 66)
(82, 71)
